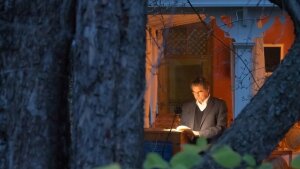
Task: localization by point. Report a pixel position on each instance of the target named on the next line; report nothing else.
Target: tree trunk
(34, 43)
(108, 84)
(274, 109)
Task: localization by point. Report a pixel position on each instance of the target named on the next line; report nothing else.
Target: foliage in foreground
(190, 157)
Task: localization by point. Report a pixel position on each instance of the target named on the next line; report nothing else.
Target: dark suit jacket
(214, 119)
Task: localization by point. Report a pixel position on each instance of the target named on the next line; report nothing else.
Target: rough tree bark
(107, 87)
(275, 108)
(108, 83)
(34, 42)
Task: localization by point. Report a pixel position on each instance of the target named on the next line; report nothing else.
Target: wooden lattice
(185, 40)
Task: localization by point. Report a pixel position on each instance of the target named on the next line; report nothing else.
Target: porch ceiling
(163, 21)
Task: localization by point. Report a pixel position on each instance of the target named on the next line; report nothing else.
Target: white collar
(204, 101)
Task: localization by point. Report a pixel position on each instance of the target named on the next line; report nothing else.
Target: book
(186, 130)
(182, 128)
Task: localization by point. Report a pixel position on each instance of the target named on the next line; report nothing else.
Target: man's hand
(189, 133)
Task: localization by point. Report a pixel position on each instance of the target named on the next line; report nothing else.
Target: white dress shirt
(202, 105)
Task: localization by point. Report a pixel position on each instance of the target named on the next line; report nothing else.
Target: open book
(182, 128)
(185, 129)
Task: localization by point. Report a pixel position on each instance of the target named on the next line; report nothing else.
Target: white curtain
(154, 52)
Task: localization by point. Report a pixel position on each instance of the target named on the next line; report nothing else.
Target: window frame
(281, 46)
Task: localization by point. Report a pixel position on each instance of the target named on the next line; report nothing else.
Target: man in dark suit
(207, 115)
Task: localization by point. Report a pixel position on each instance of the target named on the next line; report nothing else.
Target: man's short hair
(200, 81)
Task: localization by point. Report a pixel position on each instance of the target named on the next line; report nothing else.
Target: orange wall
(221, 76)
(278, 33)
(281, 33)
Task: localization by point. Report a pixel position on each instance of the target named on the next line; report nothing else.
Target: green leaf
(185, 160)
(226, 157)
(249, 159)
(296, 163)
(154, 160)
(111, 166)
(265, 166)
(202, 143)
(179, 166)
(190, 148)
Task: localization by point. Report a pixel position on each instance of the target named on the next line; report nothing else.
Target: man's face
(200, 93)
